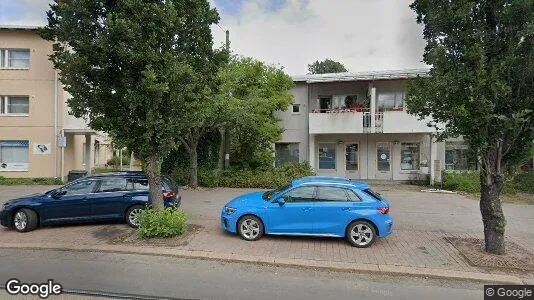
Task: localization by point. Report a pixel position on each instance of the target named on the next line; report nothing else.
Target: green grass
(30, 181)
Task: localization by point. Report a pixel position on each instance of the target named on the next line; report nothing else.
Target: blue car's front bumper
(4, 218)
(228, 222)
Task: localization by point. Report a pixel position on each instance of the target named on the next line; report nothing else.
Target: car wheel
(250, 228)
(25, 220)
(361, 234)
(132, 215)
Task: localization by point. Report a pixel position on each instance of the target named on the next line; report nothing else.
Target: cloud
(23, 12)
(362, 34)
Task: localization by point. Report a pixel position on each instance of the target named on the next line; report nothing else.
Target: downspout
(55, 124)
(308, 123)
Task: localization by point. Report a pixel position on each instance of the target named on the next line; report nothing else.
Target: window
(137, 184)
(300, 194)
(352, 196)
(112, 184)
(457, 157)
(14, 105)
(286, 153)
(296, 108)
(80, 188)
(351, 157)
(327, 156)
(326, 193)
(15, 58)
(391, 101)
(14, 155)
(410, 156)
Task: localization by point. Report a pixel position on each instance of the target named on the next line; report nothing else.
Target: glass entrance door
(352, 167)
(383, 161)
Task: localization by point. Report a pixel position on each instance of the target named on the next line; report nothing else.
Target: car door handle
(306, 208)
(345, 208)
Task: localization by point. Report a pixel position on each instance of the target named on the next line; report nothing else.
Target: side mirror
(281, 201)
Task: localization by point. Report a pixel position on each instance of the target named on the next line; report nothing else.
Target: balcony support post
(372, 107)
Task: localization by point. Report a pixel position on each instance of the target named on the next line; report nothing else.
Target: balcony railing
(340, 110)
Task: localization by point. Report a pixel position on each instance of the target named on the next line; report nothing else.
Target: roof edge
(20, 27)
(363, 76)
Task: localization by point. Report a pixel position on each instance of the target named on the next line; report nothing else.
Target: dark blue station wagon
(104, 197)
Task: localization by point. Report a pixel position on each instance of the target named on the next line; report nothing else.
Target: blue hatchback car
(315, 206)
(105, 197)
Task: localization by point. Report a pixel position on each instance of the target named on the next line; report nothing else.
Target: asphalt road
(165, 277)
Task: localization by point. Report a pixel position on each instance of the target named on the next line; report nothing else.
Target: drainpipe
(55, 123)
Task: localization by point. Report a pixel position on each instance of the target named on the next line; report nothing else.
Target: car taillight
(168, 194)
(383, 210)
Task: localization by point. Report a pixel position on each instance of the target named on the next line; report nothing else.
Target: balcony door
(383, 161)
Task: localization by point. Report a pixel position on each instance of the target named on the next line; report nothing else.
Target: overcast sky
(362, 34)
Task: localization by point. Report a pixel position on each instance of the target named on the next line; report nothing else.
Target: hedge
(30, 181)
(246, 178)
(470, 182)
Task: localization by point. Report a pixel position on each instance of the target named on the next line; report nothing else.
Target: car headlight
(229, 210)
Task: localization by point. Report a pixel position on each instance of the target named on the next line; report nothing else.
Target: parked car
(104, 197)
(314, 206)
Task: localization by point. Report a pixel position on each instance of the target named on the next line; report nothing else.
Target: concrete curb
(287, 262)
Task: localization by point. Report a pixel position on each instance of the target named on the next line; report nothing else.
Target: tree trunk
(491, 183)
(221, 149)
(154, 181)
(193, 167)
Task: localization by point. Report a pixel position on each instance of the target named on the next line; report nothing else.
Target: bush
(246, 178)
(115, 161)
(30, 181)
(162, 223)
(465, 182)
(524, 182)
(470, 182)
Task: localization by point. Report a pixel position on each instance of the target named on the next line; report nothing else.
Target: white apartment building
(355, 125)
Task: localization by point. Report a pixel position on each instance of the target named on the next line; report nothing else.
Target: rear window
(373, 194)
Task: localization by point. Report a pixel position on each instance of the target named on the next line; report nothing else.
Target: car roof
(330, 180)
(119, 174)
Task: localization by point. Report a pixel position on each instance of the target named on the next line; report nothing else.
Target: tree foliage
(326, 66)
(134, 67)
(481, 86)
(256, 91)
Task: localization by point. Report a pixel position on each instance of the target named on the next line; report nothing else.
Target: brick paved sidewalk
(424, 252)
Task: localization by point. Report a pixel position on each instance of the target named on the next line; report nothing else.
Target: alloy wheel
(20, 220)
(133, 217)
(250, 229)
(361, 234)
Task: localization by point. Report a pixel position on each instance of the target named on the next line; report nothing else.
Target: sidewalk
(418, 253)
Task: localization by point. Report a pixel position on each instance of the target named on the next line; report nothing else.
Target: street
(165, 277)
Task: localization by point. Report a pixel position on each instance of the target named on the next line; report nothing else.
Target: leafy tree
(326, 66)
(248, 95)
(133, 68)
(258, 91)
(481, 86)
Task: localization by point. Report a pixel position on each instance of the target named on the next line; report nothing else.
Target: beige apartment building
(38, 137)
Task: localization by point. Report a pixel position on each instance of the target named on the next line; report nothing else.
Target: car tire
(132, 215)
(25, 220)
(361, 234)
(250, 228)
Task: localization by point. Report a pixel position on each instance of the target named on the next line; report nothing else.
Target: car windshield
(269, 194)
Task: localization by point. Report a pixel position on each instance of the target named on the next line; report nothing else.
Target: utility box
(76, 174)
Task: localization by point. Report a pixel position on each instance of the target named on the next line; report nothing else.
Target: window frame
(313, 199)
(6, 59)
(297, 105)
(93, 191)
(319, 155)
(418, 167)
(357, 156)
(289, 145)
(4, 106)
(16, 166)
